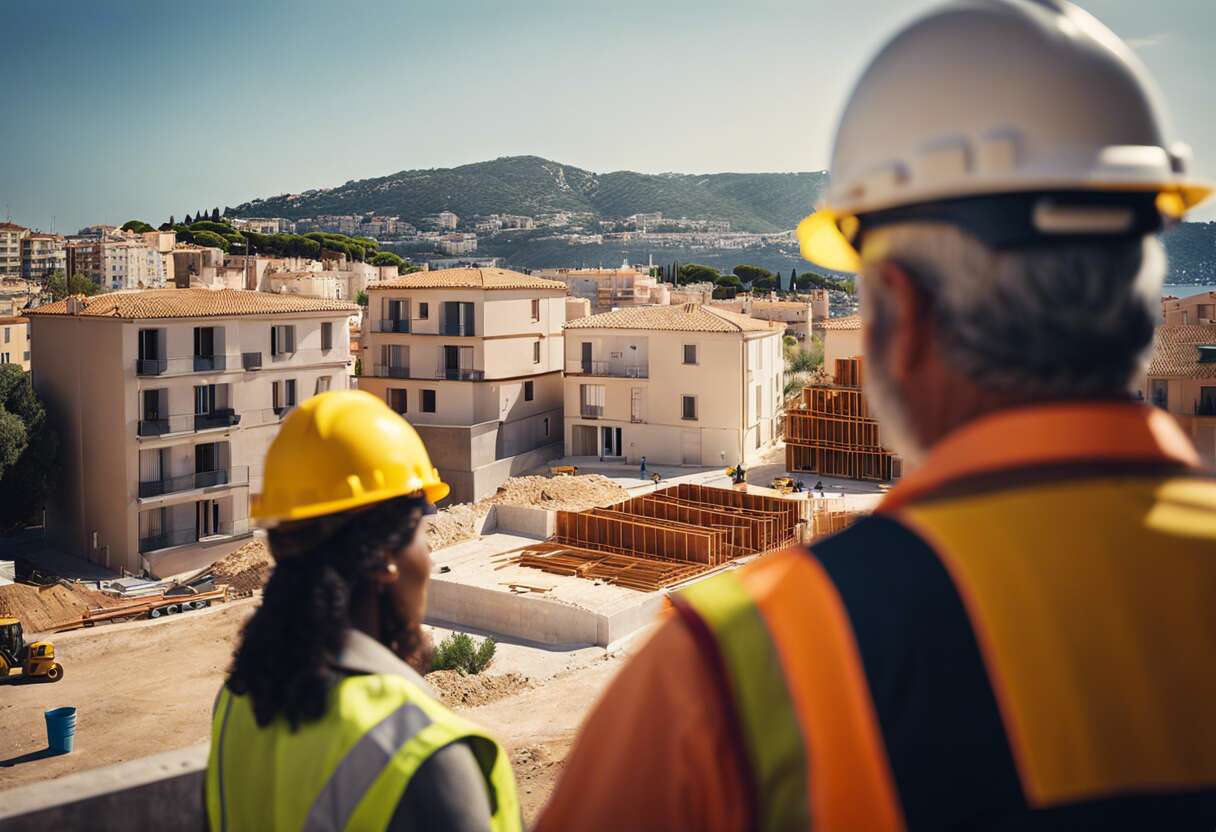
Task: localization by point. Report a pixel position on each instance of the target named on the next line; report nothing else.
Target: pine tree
(172, 221)
(215, 214)
(187, 220)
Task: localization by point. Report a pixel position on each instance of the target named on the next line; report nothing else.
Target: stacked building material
(666, 537)
(833, 432)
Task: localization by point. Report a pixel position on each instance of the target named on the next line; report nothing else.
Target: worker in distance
(325, 722)
(1021, 636)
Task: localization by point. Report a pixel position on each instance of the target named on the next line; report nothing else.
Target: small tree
(753, 274)
(29, 450)
(187, 220)
(461, 653)
(60, 285)
(138, 226)
(696, 273)
(215, 214)
(210, 239)
(361, 298)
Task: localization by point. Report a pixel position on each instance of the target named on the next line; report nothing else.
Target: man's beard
(889, 405)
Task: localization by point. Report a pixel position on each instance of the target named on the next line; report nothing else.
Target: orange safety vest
(1038, 647)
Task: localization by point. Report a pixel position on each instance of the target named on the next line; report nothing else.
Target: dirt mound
(43, 608)
(460, 522)
(459, 690)
(246, 569)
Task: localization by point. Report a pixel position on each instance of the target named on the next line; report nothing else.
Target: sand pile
(246, 569)
(459, 522)
(43, 608)
(459, 690)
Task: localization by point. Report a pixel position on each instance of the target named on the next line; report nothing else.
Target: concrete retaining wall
(164, 791)
(531, 619)
(532, 522)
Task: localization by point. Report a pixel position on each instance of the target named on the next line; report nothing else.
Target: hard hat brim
(433, 492)
(824, 244)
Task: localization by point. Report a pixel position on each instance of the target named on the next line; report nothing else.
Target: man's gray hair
(1061, 320)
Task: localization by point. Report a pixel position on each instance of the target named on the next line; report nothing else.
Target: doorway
(584, 440)
(691, 446)
(611, 439)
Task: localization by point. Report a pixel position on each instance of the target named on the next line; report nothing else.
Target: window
(327, 335)
(322, 384)
(536, 352)
(688, 408)
(397, 400)
(282, 340)
(528, 391)
(4, 358)
(8, 334)
(283, 394)
(690, 353)
(536, 309)
(428, 401)
(424, 311)
(591, 400)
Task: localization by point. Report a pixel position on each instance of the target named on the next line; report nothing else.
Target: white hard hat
(1031, 101)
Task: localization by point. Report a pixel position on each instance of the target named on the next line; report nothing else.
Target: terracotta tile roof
(8, 320)
(194, 303)
(12, 226)
(685, 317)
(1176, 352)
(847, 322)
(467, 279)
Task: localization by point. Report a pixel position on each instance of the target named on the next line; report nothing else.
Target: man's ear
(911, 325)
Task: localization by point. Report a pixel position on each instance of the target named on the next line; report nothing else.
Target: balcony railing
(183, 537)
(262, 416)
(460, 374)
(611, 369)
(183, 365)
(187, 422)
(224, 477)
(457, 329)
(591, 411)
(251, 360)
(390, 371)
(313, 356)
(391, 325)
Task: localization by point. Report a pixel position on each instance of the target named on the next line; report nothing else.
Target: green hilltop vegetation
(530, 185)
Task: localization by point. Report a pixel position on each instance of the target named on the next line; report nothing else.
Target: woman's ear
(388, 573)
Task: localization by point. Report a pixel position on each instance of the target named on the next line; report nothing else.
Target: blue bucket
(61, 730)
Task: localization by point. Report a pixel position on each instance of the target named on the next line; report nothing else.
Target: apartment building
(165, 401)
(473, 358)
(795, 316)
(448, 220)
(688, 384)
(41, 255)
(15, 341)
(11, 236)
(609, 289)
(1181, 380)
(1195, 309)
(841, 339)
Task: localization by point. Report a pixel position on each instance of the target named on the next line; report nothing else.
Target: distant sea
(1185, 290)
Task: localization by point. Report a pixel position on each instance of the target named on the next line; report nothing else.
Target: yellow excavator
(34, 659)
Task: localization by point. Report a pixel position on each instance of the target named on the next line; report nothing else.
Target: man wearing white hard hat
(1022, 636)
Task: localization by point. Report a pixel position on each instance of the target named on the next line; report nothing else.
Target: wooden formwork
(833, 433)
(645, 574)
(748, 530)
(792, 512)
(610, 531)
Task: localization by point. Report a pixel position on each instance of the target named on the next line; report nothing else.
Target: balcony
(609, 369)
(391, 325)
(262, 416)
(251, 360)
(152, 425)
(210, 363)
(151, 366)
(390, 371)
(223, 478)
(591, 411)
(183, 365)
(460, 374)
(225, 418)
(184, 537)
(448, 328)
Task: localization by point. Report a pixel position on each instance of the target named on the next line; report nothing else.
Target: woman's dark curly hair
(285, 662)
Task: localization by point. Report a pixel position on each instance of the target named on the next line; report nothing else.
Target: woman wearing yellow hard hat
(325, 722)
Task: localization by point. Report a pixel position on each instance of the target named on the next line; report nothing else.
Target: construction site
(832, 432)
(563, 571)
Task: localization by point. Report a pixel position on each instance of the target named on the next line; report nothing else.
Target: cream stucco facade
(164, 422)
(472, 358)
(672, 395)
(15, 341)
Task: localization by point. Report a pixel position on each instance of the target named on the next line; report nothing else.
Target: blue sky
(134, 109)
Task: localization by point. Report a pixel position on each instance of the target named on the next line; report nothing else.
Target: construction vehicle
(563, 470)
(34, 659)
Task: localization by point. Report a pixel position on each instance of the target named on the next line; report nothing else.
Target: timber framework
(666, 537)
(833, 433)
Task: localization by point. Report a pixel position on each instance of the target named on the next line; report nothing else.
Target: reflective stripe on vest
(347, 770)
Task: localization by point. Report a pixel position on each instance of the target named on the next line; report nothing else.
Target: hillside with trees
(531, 185)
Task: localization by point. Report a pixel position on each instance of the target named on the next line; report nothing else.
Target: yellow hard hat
(341, 450)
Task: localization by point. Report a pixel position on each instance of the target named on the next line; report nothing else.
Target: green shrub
(460, 651)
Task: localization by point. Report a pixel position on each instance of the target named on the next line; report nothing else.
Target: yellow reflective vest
(345, 771)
